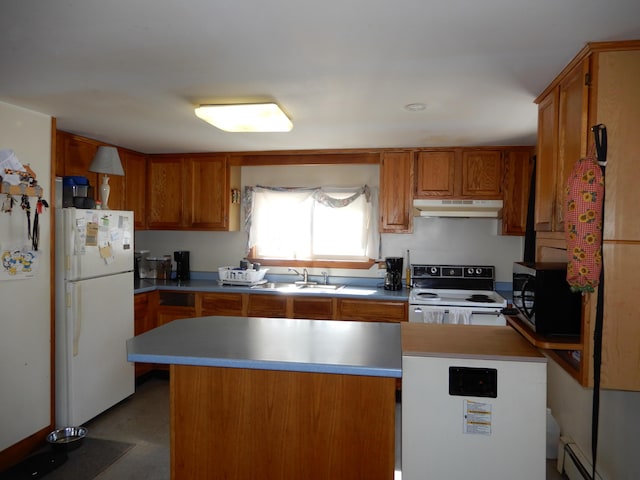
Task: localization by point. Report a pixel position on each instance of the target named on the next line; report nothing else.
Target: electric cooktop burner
(428, 295)
(481, 298)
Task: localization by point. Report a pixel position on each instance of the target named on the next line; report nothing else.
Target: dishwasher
(473, 418)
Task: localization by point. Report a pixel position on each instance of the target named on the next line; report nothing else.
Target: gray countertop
(369, 290)
(321, 346)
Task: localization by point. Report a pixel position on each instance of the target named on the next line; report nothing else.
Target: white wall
(619, 431)
(25, 334)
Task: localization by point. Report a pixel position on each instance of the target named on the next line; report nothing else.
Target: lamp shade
(107, 161)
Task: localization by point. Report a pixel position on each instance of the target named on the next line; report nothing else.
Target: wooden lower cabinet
(316, 308)
(224, 304)
(372, 310)
(144, 319)
(274, 306)
(173, 305)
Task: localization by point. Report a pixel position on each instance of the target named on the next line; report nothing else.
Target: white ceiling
(130, 72)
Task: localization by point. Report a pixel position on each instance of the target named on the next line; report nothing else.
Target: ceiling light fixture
(247, 117)
(415, 107)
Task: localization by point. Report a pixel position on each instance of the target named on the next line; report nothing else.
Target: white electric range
(456, 294)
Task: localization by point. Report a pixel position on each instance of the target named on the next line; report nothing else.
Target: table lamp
(106, 161)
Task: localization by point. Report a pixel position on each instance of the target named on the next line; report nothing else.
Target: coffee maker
(182, 265)
(393, 277)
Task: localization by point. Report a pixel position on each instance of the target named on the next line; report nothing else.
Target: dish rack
(238, 276)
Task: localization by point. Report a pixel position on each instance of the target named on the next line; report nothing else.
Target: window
(311, 224)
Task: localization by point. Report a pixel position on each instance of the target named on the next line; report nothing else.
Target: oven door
(455, 315)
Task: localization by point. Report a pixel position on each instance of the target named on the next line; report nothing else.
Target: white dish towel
(460, 316)
(433, 314)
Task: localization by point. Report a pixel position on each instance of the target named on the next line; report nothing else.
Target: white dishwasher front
(470, 418)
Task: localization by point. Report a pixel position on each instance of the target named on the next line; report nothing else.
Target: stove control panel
(453, 271)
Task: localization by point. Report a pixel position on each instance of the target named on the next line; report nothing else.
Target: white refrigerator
(94, 312)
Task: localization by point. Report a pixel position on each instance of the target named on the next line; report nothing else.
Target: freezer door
(96, 242)
(92, 371)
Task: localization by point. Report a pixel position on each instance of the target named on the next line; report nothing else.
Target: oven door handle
(418, 309)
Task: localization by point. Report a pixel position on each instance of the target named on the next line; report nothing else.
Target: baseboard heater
(573, 463)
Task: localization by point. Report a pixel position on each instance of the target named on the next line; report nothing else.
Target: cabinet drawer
(221, 304)
(274, 306)
(317, 308)
(372, 310)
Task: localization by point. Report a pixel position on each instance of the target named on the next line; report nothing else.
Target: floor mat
(86, 462)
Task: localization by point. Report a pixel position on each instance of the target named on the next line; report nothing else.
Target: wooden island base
(237, 423)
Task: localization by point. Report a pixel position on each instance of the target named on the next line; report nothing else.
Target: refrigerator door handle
(76, 315)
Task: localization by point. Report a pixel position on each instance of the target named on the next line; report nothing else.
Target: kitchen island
(269, 398)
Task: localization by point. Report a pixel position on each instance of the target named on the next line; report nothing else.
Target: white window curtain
(337, 223)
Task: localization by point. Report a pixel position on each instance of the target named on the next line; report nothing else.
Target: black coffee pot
(393, 277)
(182, 265)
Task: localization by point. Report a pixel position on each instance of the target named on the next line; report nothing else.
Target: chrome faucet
(304, 274)
(325, 278)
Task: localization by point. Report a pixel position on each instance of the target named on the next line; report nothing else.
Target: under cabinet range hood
(457, 208)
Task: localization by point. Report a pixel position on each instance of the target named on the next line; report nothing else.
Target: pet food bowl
(67, 439)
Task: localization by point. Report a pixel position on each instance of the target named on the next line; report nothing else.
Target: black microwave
(544, 300)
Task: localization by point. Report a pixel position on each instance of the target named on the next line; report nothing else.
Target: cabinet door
(209, 193)
(169, 314)
(165, 193)
(77, 154)
(546, 160)
(572, 131)
(435, 174)
(396, 192)
(372, 310)
(516, 183)
(482, 173)
(274, 306)
(144, 321)
(229, 304)
(135, 178)
(317, 308)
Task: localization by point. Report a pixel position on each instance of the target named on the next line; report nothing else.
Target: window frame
(311, 157)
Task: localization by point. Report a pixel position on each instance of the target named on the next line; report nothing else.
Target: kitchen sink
(320, 287)
(275, 286)
(285, 287)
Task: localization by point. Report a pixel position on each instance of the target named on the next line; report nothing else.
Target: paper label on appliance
(92, 234)
(477, 418)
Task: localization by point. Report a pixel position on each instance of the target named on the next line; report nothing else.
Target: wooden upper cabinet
(618, 108)
(74, 155)
(435, 175)
(563, 115)
(135, 185)
(481, 174)
(516, 185)
(165, 192)
(546, 161)
(599, 86)
(192, 192)
(459, 173)
(396, 192)
(209, 178)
